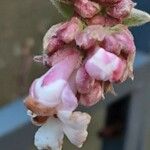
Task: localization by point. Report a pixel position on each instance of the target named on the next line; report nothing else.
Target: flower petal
(75, 127)
(105, 66)
(69, 101)
(50, 135)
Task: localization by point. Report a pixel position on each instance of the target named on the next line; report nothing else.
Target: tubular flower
(85, 56)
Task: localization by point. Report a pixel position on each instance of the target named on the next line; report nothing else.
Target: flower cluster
(85, 56)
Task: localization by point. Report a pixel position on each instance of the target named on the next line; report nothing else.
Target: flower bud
(62, 33)
(122, 44)
(84, 82)
(105, 66)
(68, 32)
(86, 8)
(121, 9)
(94, 95)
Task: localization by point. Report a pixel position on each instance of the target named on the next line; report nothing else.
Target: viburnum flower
(85, 55)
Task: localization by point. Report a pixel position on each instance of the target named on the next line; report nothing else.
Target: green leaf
(136, 18)
(64, 8)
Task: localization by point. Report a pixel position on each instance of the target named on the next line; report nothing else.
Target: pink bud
(83, 81)
(86, 8)
(105, 66)
(122, 44)
(94, 95)
(121, 9)
(119, 42)
(68, 31)
(62, 33)
(90, 36)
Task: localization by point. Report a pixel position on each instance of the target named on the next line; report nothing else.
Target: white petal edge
(50, 135)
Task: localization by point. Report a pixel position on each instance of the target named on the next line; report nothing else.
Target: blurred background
(118, 123)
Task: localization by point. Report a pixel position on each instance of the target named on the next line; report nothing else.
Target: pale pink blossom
(105, 66)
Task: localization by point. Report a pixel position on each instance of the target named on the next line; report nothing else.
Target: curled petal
(91, 98)
(75, 127)
(50, 135)
(83, 81)
(105, 66)
(86, 8)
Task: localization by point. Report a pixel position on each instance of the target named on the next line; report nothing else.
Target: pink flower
(45, 92)
(105, 66)
(61, 33)
(86, 8)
